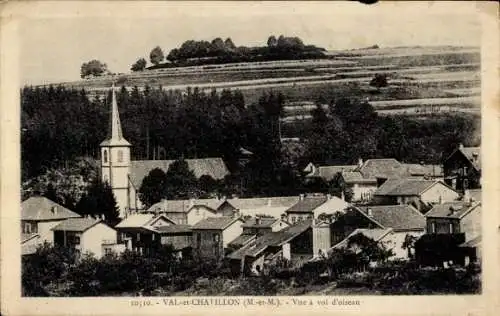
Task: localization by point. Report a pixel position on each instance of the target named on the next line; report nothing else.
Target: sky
(55, 40)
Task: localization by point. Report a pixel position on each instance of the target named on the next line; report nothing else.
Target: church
(125, 175)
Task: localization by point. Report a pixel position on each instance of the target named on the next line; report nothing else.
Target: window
(451, 228)
(105, 156)
(198, 240)
(107, 251)
(27, 228)
(138, 236)
(76, 241)
(120, 156)
(294, 219)
(433, 228)
(216, 237)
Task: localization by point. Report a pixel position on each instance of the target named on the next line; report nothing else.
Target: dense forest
(59, 125)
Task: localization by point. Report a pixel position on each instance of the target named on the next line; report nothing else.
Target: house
(455, 218)
(423, 171)
(212, 235)
(86, 234)
(256, 227)
(310, 207)
(268, 206)
(180, 237)
(326, 172)
(292, 245)
(125, 175)
(453, 234)
(417, 192)
(140, 231)
(362, 188)
(402, 219)
(462, 168)
(187, 212)
(386, 238)
(38, 216)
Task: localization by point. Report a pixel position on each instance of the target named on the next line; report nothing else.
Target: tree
(272, 41)
(379, 81)
(153, 187)
(156, 56)
(228, 43)
(99, 200)
(182, 183)
(139, 65)
(173, 55)
(93, 68)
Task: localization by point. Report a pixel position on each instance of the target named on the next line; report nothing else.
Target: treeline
(192, 53)
(163, 124)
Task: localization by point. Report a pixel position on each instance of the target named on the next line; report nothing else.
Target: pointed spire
(115, 134)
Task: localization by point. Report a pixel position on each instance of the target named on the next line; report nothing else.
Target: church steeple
(115, 134)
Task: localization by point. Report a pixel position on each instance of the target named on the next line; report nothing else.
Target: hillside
(422, 80)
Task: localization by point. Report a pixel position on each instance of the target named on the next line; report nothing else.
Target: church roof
(115, 134)
(214, 167)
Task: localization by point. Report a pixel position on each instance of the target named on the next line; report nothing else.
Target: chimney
(103, 217)
(475, 156)
(360, 162)
(301, 196)
(269, 202)
(328, 196)
(257, 220)
(461, 146)
(54, 209)
(370, 212)
(283, 217)
(342, 195)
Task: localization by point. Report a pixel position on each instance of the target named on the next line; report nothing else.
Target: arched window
(120, 156)
(105, 156)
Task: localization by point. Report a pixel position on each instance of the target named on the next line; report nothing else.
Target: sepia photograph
(200, 153)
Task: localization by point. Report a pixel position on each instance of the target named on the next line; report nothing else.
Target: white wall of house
(287, 253)
(361, 190)
(199, 212)
(45, 230)
(395, 240)
(321, 239)
(470, 224)
(231, 232)
(437, 190)
(92, 239)
(279, 225)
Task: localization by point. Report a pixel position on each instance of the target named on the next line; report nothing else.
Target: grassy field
(419, 77)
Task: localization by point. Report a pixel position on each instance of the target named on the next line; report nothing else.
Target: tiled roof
(39, 208)
(351, 177)
(404, 187)
(329, 172)
(307, 205)
(183, 206)
(254, 203)
(219, 223)
(135, 220)
(271, 239)
(397, 217)
(382, 168)
(174, 229)
(214, 167)
(242, 240)
(77, 224)
(263, 222)
(423, 170)
(453, 209)
(475, 194)
(375, 234)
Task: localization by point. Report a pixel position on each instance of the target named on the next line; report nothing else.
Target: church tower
(115, 159)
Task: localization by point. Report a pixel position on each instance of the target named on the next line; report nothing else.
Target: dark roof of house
(470, 152)
(307, 205)
(243, 239)
(404, 187)
(219, 223)
(271, 239)
(39, 208)
(214, 167)
(423, 170)
(474, 242)
(77, 224)
(356, 177)
(263, 222)
(173, 229)
(382, 168)
(397, 217)
(183, 206)
(456, 209)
